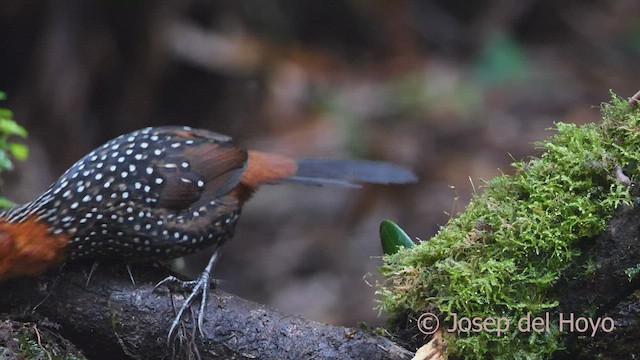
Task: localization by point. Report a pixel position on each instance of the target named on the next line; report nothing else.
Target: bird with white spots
(158, 194)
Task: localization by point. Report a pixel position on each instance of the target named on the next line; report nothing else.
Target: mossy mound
(515, 240)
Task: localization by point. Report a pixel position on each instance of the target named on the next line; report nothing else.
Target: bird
(157, 194)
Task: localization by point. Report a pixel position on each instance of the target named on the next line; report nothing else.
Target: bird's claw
(176, 285)
(194, 288)
(199, 287)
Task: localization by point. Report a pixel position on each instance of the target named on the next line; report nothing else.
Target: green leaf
(6, 114)
(19, 151)
(5, 162)
(393, 238)
(6, 203)
(10, 127)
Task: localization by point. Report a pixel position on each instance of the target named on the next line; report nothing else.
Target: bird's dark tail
(272, 168)
(349, 173)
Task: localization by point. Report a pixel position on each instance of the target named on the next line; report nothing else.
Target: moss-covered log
(556, 237)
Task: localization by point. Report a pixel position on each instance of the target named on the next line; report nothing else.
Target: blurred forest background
(454, 89)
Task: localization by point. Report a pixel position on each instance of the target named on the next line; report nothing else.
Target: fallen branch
(111, 317)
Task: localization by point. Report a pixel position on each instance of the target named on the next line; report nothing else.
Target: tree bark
(608, 291)
(112, 318)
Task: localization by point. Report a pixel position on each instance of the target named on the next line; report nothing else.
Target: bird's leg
(200, 286)
(94, 267)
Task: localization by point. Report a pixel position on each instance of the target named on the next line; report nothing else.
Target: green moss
(31, 342)
(632, 272)
(501, 256)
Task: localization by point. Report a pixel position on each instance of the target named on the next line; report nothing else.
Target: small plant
(10, 150)
(393, 238)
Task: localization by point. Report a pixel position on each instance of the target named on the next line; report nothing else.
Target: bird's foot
(195, 288)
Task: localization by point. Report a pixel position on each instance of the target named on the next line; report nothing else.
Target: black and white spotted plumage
(157, 193)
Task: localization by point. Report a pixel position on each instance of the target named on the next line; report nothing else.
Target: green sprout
(393, 238)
